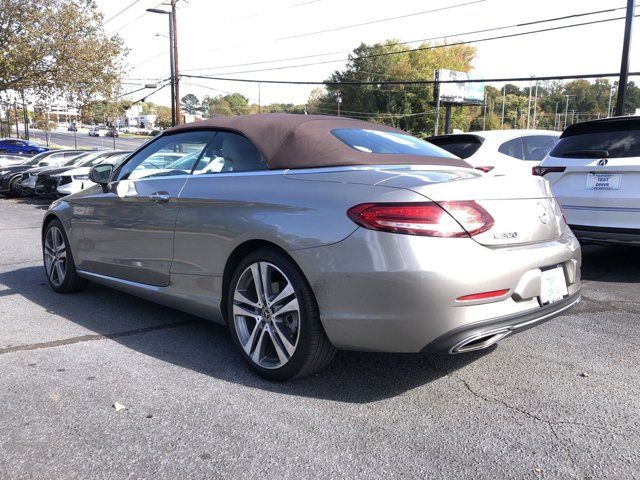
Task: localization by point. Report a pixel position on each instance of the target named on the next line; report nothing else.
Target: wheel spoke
(245, 312)
(248, 346)
(257, 281)
(285, 293)
(241, 298)
(255, 356)
(60, 271)
(278, 348)
(279, 334)
(265, 284)
(292, 306)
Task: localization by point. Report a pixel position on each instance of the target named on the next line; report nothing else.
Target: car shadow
(37, 202)
(611, 263)
(207, 348)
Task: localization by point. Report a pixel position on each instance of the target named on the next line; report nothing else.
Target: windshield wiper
(586, 153)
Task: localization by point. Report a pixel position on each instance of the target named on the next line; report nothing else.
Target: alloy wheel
(55, 256)
(266, 315)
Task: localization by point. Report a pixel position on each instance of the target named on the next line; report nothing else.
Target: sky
(216, 36)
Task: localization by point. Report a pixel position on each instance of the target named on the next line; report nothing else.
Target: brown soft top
(305, 141)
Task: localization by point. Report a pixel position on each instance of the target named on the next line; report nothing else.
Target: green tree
(191, 104)
(58, 48)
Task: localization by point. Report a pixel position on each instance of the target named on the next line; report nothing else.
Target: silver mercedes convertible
(308, 234)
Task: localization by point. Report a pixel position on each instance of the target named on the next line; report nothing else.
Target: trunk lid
(523, 207)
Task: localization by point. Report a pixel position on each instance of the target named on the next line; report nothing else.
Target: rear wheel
(274, 318)
(33, 152)
(2, 151)
(58, 260)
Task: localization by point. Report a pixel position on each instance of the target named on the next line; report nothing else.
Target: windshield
(31, 161)
(606, 144)
(378, 141)
(74, 160)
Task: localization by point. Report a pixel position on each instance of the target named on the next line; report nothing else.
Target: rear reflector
(486, 169)
(483, 295)
(542, 171)
(447, 219)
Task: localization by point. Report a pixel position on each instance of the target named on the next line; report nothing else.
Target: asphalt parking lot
(558, 401)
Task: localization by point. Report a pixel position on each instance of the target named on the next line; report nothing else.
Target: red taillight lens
(483, 295)
(542, 171)
(447, 219)
(486, 169)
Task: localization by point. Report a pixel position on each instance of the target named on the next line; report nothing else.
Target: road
(66, 139)
(558, 401)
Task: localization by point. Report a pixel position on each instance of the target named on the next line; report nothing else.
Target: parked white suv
(500, 152)
(594, 172)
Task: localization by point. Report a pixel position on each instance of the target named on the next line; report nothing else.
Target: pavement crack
(533, 416)
(97, 336)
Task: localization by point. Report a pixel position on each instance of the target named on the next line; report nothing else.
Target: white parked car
(98, 131)
(594, 172)
(500, 152)
(75, 180)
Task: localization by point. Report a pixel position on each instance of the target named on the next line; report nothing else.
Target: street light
(173, 72)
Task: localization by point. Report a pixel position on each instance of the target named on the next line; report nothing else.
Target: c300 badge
(505, 235)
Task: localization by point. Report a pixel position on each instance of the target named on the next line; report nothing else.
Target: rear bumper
(384, 292)
(481, 335)
(606, 235)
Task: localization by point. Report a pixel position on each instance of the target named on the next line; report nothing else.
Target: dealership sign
(460, 90)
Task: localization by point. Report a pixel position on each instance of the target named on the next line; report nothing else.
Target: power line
(121, 11)
(372, 22)
(431, 47)
(412, 82)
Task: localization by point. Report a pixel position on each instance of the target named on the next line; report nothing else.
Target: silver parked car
(307, 234)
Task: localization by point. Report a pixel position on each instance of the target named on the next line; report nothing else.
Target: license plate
(604, 181)
(554, 286)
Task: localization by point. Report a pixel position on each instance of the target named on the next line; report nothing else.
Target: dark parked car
(46, 183)
(72, 127)
(20, 147)
(11, 176)
(112, 132)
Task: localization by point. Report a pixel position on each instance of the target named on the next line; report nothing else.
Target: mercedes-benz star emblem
(543, 215)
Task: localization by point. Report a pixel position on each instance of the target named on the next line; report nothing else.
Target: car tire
(33, 152)
(279, 334)
(14, 185)
(2, 152)
(59, 267)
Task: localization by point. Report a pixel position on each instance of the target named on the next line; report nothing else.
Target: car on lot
(6, 160)
(77, 179)
(97, 131)
(72, 127)
(11, 176)
(46, 180)
(594, 171)
(16, 146)
(111, 132)
(60, 158)
(500, 152)
(317, 233)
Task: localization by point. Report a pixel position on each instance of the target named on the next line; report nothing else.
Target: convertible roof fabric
(305, 141)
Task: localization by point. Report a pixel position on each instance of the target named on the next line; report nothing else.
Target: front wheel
(58, 260)
(2, 151)
(274, 319)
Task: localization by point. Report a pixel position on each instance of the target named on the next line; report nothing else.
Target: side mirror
(101, 174)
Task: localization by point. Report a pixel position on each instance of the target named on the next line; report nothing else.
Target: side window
(536, 147)
(229, 152)
(161, 157)
(513, 148)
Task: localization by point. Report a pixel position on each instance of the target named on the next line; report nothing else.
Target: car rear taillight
(542, 171)
(483, 295)
(485, 169)
(444, 219)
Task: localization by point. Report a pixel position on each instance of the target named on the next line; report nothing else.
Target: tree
(58, 47)
(191, 104)
(231, 104)
(164, 117)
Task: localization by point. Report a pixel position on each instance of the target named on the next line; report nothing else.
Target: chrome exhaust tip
(480, 341)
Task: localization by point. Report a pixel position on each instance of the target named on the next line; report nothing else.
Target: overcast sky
(214, 35)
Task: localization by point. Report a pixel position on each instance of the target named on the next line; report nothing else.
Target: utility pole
(566, 110)
(503, 100)
(624, 66)
(555, 118)
(535, 107)
(529, 107)
(436, 90)
(15, 112)
(176, 70)
(25, 117)
(484, 116)
(610, 97)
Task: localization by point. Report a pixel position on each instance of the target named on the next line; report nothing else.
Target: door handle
(159, 197)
